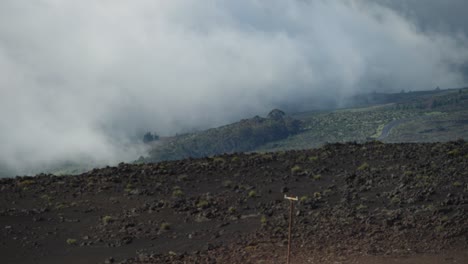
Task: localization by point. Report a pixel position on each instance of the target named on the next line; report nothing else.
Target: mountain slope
(244, 135)
(426, 116)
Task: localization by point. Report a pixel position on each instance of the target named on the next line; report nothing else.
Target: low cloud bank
(82, 80)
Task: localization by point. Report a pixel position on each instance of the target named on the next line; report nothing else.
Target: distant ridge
(423, 116)
(241, 136)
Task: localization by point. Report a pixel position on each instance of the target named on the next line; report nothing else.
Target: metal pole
(291, 209)
(291, 206)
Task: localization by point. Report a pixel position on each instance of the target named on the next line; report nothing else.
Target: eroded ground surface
(370, 203)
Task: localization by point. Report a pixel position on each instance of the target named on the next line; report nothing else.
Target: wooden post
(291, 209)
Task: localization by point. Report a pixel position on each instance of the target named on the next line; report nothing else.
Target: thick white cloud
(80, 77)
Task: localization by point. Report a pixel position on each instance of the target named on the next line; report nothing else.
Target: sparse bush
(424, 181)
(457, 184)
(363, 166)
(128, 187)
(317, 195)
(317, 177)
(177, 193)
(454, 152)
(395, 200)
(313, 158)
(72, 241)
(232, 210)
(59, 206)
(243, 187)
(46, 197)
(296, 169)
(252, 194)
(203, 204)
(408, 173)
(263, 220)
(165, 226)
(361, 207)
(327, 192)
(429, 207)
(25, 183)
(219, 160)
(107, 219)
(227, 184)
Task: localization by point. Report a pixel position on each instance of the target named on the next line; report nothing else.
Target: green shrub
(317, 195)
(317, 177)
(429, 207)
(165, 226)
(457, 184)
(395, 200)
(72, 241)
(408, 173)
(296, 169)
(361, 207)
(363, 166)
(263, 220)
(327, 191)
(252, 194)
(107, 219)
(177, 193)
(128, 187)
(25, 183)
(219, 160)
(231, 210)
(202, 204)
(59, 206)
(46, 197)
(454, 152)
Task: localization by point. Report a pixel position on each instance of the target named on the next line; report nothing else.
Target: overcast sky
(433, 15)
(79, 78)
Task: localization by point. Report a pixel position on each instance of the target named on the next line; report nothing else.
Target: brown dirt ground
(359, 203)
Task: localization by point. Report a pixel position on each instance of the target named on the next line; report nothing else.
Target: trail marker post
(291, 209)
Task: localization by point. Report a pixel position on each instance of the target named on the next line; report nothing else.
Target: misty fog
(83, 80)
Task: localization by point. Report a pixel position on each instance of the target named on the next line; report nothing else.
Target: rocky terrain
(357, 202)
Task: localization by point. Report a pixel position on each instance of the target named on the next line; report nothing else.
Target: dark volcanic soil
(356, 202)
